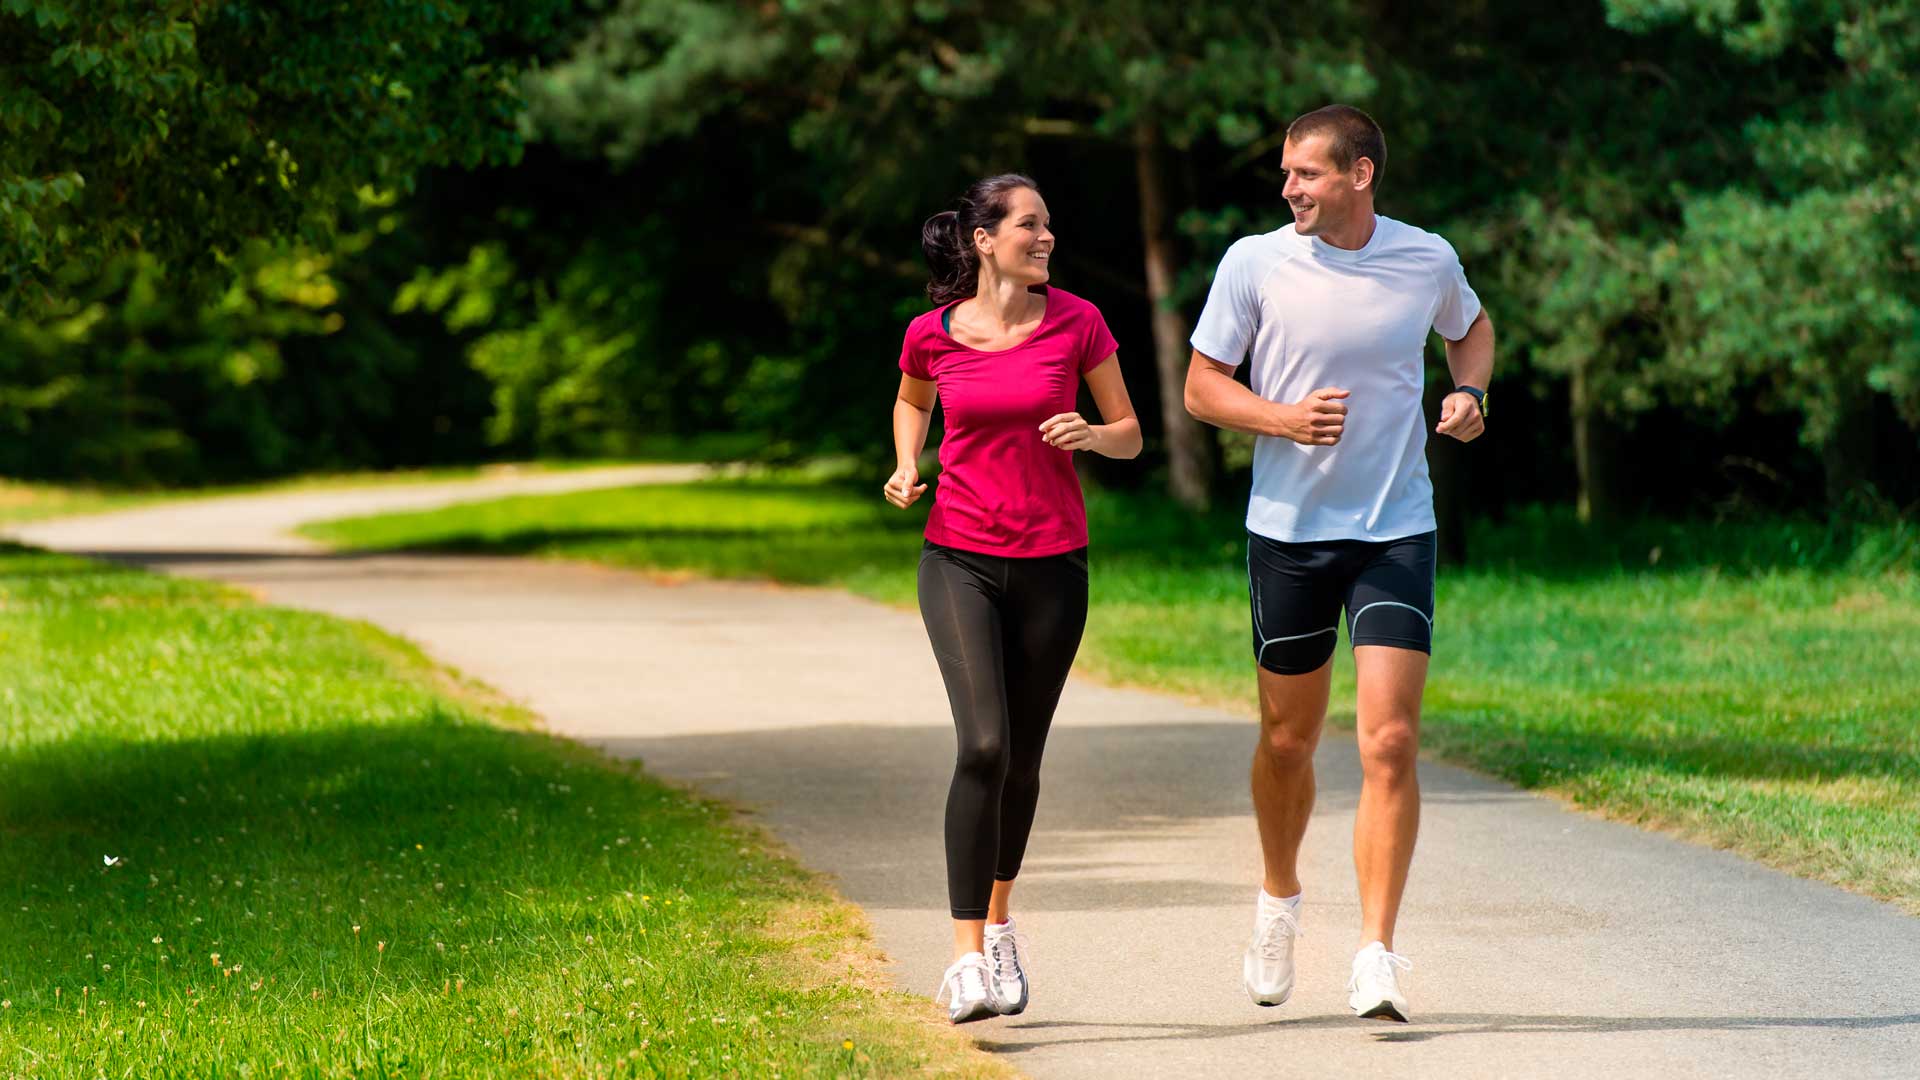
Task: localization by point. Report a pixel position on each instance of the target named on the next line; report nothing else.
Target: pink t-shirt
(1002, 489)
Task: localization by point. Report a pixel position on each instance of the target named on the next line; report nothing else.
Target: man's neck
(1355, 234)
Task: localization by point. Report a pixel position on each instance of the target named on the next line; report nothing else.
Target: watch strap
(1479, 396)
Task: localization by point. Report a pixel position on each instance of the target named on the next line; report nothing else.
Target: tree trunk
(1847, 454)
(1593, 453)
(1190, 445)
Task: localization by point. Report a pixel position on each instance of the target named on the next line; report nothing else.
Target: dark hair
(1351, 133)
(947, 237)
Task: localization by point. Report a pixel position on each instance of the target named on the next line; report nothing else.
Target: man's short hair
(1351, 135)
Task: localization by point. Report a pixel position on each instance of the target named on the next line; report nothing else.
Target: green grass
(244, 841)
(1754, 686)
(22, 501)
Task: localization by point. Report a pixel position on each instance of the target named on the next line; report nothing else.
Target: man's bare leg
(1292, 710)
(1387, 721)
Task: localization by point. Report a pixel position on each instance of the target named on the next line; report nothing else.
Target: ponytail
(952, 259)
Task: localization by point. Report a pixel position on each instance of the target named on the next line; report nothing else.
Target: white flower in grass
(111, 860)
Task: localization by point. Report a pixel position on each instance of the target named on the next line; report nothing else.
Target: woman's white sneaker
(1009, 974)
(967, 989)
(1267, 968)
(1375, 987)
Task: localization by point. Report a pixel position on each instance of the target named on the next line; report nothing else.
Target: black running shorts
(1298, 590)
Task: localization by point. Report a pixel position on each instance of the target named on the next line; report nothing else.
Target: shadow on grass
(1552, 544)
(1549, 543)
(1539, 757)
(270, 848)
(783, 539)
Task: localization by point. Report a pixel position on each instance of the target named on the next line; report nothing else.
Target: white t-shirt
(1317, 315)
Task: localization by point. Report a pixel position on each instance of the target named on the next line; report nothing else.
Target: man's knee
(1287, 745)
(1390, 749)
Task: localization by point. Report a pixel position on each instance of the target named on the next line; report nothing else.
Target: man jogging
(1335, 311)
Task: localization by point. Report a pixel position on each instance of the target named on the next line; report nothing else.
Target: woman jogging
(1003, 575)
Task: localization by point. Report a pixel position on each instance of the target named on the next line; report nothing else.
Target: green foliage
(1689, 218)
(179, 181)
(1819, 308)
(588, 362)
(131, 378)
(1759, 250)
(183, 129)
(1807, 279)
(858, 119)
(651, 70)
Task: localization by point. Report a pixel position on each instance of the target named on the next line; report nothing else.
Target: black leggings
(1004, 631)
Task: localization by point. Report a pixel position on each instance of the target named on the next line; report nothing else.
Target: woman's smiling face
(1022, 247)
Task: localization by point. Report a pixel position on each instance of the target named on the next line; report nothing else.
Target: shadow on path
(1427, 1028)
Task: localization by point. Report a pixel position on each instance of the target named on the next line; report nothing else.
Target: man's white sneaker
(1375, 987)
(1009, 975)
(1267, 968)
(967, 988)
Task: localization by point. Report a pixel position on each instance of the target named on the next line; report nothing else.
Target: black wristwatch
(1479, 397)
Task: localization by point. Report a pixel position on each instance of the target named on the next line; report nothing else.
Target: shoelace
(1267, 941)
(963, 980)
(1380, 968)
(1009, 953)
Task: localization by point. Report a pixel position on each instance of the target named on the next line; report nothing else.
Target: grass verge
(245, 841)
(22, 501)
(1750, 686)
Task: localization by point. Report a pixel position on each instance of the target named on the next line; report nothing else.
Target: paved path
(1547, 944)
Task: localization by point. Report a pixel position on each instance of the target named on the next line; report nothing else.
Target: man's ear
(1362, 173)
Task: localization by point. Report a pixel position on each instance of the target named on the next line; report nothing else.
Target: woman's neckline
(1046, 313)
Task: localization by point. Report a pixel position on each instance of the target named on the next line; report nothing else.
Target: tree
(1803, 277)
(891, 106)
(177, 180)
(185, 128)
(1686, 206)
(1160, 78)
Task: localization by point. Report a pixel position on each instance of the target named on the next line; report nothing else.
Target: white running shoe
(1009, 975)
(1376, 985)
(968, 989)
(1267, 968)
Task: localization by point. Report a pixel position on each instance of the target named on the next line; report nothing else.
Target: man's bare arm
(1470, 362)
(1213, 396)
